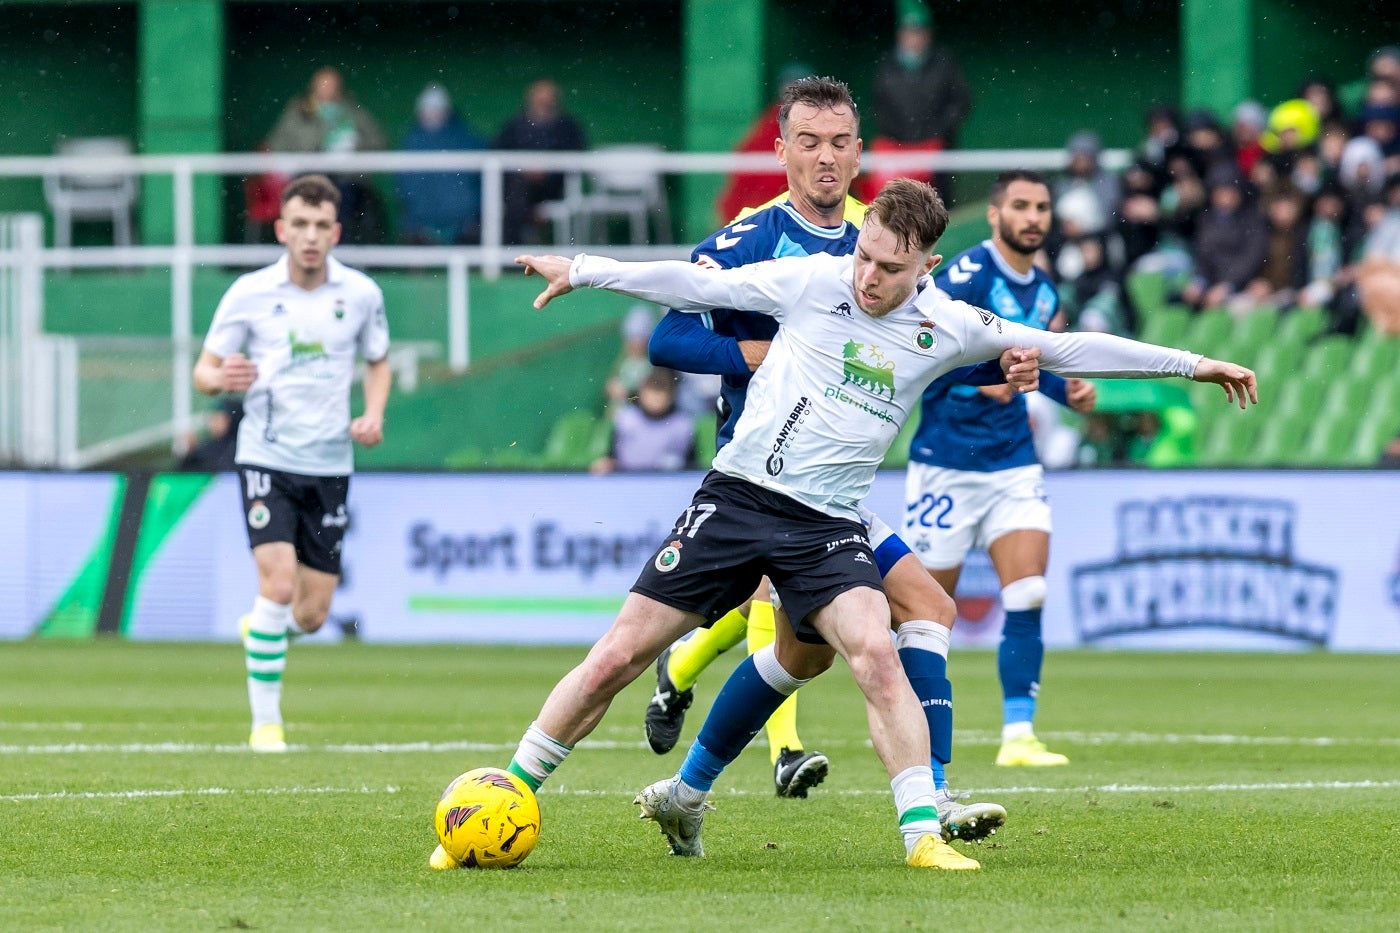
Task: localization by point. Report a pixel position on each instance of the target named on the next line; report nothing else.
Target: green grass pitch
(1205, 791)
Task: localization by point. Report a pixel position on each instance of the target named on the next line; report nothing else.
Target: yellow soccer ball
(488, 818)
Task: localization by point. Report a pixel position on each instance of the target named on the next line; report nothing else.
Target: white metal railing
(22, 265)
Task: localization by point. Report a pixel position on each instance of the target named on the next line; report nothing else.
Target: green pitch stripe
(563, 605)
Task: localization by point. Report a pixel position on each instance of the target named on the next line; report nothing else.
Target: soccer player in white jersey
(783, 497)
(302, 321)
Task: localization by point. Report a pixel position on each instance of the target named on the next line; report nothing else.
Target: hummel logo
(724, 241)
(743, 228)
(963, 271)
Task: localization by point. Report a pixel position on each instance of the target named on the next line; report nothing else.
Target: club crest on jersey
(259, 515)
(868, 368)
(339, 308)
(669, 558)
(925, 337)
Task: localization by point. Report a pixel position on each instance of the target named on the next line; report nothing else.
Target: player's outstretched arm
(555, 272)
(1239, 383)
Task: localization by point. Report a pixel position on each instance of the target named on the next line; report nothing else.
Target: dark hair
(822, 93)
(1005, 179)
(313, 189)
(912, 211)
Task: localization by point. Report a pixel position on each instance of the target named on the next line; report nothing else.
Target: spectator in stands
(1382, 123)
(1085, 173)
(1162, 140)
(1390, 456)
(650, 433)
(921, 97)
(1230, 244)
(632, 366)
(213, 453)
(1362, 171)
(1183, 200)
(751, 189)
(1325, 247)
(1378, 273)
(1205, 142)
(328, 119)
(1293, 126)
(1249, 119)
(1319, 91)
(439, 207)
(1093, 298)
(1285, 269)
(542, 125)
(1384, 64)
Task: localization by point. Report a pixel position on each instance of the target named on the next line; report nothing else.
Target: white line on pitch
(564, 791)
(196, 792)
(962, 738)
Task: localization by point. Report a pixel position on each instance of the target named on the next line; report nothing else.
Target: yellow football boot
(1026, 751)
(932, 852)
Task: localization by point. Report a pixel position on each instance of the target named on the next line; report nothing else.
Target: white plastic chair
(630, 193)
(91, 195)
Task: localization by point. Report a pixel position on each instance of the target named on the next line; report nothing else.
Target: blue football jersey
(959, 427)
(778, 230)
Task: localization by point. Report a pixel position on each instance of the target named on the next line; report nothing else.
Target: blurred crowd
(434, 208)
(1294, 204)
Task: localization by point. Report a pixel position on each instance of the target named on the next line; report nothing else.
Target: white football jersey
(837, 384)
(296, 416)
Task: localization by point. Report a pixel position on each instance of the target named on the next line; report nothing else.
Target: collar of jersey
(1017, 277)
(830, 233)
(335, 270)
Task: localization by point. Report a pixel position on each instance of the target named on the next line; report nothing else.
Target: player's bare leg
(922, 615)
(642, 629)
(1020, 558)
(855, 624)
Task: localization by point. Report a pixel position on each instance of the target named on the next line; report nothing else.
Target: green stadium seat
(1209, 332)
(1147, 291)
(1376, 355)
(1296, 398)
(1254, 331)
(570, 444)
(1330, 442)
(1347, 397)
(1300, 324)
(706, 430)
(1328, 359)
(1164, 325)
(1277, 359)
(1231, 439)
(1280, 439)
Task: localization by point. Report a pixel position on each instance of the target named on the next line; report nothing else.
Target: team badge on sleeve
(925, 337)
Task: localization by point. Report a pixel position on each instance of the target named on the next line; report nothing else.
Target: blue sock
(740, 709)
(928, 674)
(1018, 663)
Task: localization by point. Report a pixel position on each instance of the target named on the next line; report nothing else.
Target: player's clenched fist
(238, 373)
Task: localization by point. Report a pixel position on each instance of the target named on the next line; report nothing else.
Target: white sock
(265, 657)
(538, 754)
(1014, 730)
(688, 797)
(915, 804)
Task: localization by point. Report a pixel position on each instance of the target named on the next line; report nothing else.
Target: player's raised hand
(554, 270)
(1239, 383)
(1022, 368)
(237, 373)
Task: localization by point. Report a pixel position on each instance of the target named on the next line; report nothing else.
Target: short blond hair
(912, 211)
